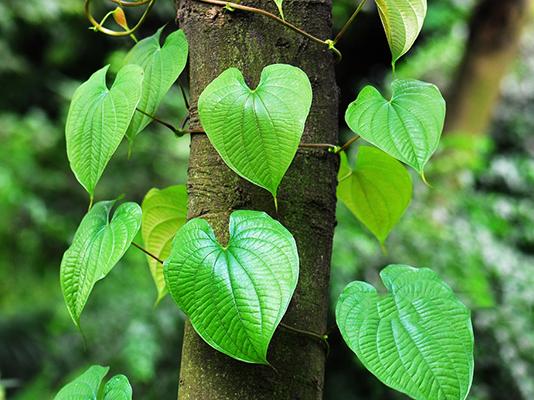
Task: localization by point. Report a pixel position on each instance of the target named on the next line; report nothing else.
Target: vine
(259, 143)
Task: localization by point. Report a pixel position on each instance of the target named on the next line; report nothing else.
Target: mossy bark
(219, 40)
(494, 36)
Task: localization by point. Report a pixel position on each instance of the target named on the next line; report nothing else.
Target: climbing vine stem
(234, 6)
(349, 22)
(347, 145)
(322, 338)
(176, 131)
(148, 253)
(332, 148)
(98, 26)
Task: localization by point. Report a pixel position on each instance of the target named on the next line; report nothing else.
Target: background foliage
(476, 230)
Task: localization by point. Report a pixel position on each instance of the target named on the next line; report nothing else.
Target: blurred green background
(475, 225)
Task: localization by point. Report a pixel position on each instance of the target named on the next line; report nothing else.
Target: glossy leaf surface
(417, 338)
(234, 295)
(164, 212)
(162, 65)
(257, 131)
(84, 387)
(402, 21)
(407, 127)
(99, 243)
(97, 121)
(118, 388)
(377, 191)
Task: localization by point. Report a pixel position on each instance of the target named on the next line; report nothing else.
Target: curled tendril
(131, 3)
(110, 32)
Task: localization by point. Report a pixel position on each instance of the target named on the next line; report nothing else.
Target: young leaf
(257, 132)
(162, 66)
(279, 6)
(97, 246)
(118, 388)
(377, 191)
(235, 295)
(86, 386)
(97, 121)
(407, 127)
(164, 212)
(402, 21)
(417, 338)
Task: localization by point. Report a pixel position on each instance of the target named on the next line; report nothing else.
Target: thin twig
(184, 122)
(186, 102)
(349, 142)
(177, 132)
(349, 21)
(289, 25)
(147, 252)
(328, 146)
(322, 338)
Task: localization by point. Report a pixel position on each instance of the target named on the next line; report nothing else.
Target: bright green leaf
(402, 21)
(377, 191)
(162, 66)
(417, 338)
(85, 387)
(164, 212)
(279, 6)
(235, 295)
(257, 132)
(97, 121)
(118, 388)
(407, 127)
(97, 246)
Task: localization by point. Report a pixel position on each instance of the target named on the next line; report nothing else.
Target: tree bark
(219, 40)
(494, 36)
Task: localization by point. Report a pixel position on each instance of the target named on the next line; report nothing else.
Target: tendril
(98, 26)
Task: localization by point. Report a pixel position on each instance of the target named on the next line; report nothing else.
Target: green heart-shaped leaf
(164, 212)
(97, 246)
(407, 127)
(84, 387)
(162, 66)
(87, 386)
(402, 21)
(377, 191)
(118, 388)
(97, 121)
(417, 339)
(235, 295)
(257, 132)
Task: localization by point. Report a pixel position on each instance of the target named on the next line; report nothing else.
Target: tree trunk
(219, 40)
(495, 31)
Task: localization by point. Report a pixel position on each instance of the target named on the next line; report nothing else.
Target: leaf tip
(423, 178)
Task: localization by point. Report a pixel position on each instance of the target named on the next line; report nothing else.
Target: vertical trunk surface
(494, 36)
(219, 40)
